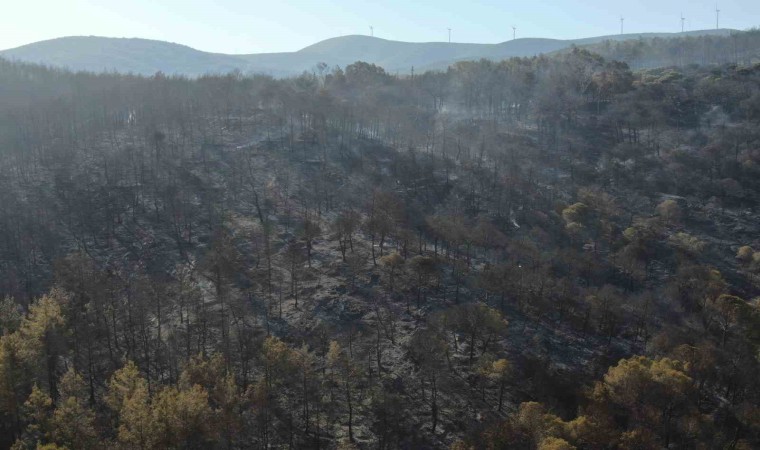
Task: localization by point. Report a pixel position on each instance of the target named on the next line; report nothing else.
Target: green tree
(42, 337)
(73, 419)
(554, 443)
(37, 413)
(670, 211)
(181, 417)
(128, 397)
(654, 393)
(744, 254)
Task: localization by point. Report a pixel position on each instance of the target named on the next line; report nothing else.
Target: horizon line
(615, 36)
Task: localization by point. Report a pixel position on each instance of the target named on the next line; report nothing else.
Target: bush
(744, 254)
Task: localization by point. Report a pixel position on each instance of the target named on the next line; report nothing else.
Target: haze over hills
(143, 56)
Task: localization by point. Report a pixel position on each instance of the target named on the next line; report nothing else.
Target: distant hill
(143, 56)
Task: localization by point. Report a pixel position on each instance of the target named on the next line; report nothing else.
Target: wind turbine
(683, 19)
(621, 24)
(449, 35)
(514, 32)
(717, 18)
(372, 31)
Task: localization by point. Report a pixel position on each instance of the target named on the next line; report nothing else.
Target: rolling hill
(143, 56)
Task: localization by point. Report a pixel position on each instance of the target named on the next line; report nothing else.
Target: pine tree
(128, 396)
(42, 337)
(73, 420)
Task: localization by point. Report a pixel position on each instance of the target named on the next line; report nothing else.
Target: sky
(255, 26)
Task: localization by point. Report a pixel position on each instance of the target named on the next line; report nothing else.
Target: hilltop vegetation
(538, 253)
(735, 48)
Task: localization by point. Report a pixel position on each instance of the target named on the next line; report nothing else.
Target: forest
(739, 47)
(548, 253)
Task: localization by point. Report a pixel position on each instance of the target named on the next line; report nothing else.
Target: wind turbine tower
(683, 20)
(449, 35)
(514, 32)
(717, 18)
(621, 24)
(372, 31)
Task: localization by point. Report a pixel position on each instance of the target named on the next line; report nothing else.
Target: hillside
(548, 253)
(139, 56)
(658, 51)
(142, 56)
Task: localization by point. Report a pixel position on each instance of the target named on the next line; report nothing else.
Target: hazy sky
(252, 26)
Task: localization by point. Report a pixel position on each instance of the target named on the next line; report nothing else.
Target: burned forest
(554, 252)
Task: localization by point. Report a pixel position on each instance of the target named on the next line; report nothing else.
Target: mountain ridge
(147, 56)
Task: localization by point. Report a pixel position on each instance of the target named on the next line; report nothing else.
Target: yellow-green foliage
(745, 253)
(499, 370)
(180, 414)
(553, 443)
(645, 387)
(687, 243)
(577, 212)
(73, 420)
(670, 211)
(124, 383)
